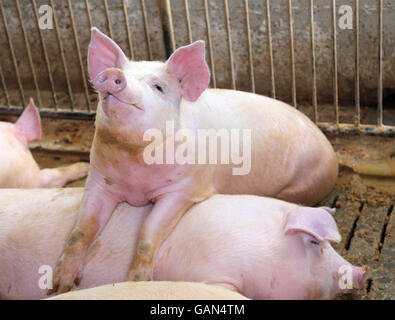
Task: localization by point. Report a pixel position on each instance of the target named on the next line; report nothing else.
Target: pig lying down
(260, 247)
(152, 290)
(17, 166)
(289, 156)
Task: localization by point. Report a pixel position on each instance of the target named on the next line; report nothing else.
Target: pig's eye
(314, 242)
(158, 87)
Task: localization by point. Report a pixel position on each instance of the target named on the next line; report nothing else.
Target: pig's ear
(103, 53)
(29, 123)
(189, 66)
(317, 222)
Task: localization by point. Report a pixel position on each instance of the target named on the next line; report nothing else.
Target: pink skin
(263, 248)
(137, 96)
(277, 250)
(110, 82)
(18, 168)
(152, 290)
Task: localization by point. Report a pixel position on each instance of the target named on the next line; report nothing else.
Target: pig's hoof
(141, 274)
(68, 271)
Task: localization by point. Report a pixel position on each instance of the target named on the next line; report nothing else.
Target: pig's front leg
(97, 206)
(58, 177)
(161, 221)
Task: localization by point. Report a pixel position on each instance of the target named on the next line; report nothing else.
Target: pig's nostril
(117, 81)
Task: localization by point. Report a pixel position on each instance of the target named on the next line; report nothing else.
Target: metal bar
(357, 95)
(50, 113)
(269, 40)
(335, 80)
(107, 18)
(167, 26)
(60, 44)
(325, 126)
(363, 128)
(232, 67)
(11, 47)
(250, 54)
(380, 57)
(292, 53)
(88, 12)
(79, 55)
(146, 29)
(4, 86)
(44, 48)
(210, 44)
(313, 61)
(171, 29)
(29, 54)
(130, 41)
(188, 20)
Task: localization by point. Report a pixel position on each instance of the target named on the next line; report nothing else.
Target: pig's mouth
(108, 95)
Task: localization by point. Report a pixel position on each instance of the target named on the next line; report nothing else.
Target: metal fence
(85, 106)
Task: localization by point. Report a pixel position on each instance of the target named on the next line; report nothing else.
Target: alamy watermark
(200, 147)
(346, 18)
(45, 20)
(45, 281)
(346, 278)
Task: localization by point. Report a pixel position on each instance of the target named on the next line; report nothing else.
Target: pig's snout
(358, 277)
(109, 81)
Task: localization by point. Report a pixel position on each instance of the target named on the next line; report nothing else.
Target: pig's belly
(138, 184)
(265, 180)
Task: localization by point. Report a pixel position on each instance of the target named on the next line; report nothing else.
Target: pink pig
(152, 290)
(17, 166)
(260, 247)
(290, 157)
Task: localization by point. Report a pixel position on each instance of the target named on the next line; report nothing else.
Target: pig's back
(238, 109)
(34, 224)
(152, 290)
(286, 146)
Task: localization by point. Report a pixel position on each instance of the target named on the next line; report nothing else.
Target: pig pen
(333, 60)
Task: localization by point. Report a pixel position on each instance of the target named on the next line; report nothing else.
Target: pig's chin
(111, 101)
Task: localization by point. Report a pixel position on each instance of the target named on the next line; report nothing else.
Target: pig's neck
(18, 134)
(109, 143)
(121, 162)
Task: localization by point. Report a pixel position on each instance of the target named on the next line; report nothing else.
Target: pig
(152, 290)
(262, 248)
(17, 166)
(290, 158)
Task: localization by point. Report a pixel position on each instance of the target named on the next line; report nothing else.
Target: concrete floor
(368, 236)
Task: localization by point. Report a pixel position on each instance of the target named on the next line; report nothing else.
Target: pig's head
(316, 271)
(28, 126)
(136, 96)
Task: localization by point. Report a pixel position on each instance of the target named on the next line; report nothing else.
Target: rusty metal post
(167, 26)
(13, 57)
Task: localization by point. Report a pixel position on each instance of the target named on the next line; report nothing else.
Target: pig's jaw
(111, 101)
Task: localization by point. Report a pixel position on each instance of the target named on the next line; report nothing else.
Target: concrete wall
(280, 36)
